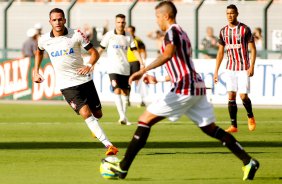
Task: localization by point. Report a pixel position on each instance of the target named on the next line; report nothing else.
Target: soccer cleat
(114, 167)
(142, 104)
(250, 169)
(252, 123)
(231, 129)
(93, 135)
(111, 150)
(124, 122)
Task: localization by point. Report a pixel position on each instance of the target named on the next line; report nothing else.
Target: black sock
(137, 143)
(248, 106)
(232, 144)
(232, 108)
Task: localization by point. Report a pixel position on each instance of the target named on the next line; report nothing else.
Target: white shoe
(124, 122)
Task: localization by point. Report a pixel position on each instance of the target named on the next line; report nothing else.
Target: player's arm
(101, 50)
(94, 56)
(139, 58)
(142, 49)
(253, 51)
(38, 59)
(150, 79)
(163, 58)
(219, 58)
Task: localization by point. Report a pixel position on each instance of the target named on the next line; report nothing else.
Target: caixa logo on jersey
(62, 52)
(120, 47)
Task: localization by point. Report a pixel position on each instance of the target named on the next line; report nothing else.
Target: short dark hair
(232, 6)
(120, 16)
(170, 5)
(132, 27)
(57, 10)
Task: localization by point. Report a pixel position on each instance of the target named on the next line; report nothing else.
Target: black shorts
(134, 67)
(119, 81)
(83, 94)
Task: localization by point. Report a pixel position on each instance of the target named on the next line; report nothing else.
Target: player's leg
(93, 101)
(231, 86)
(139, 139)
(117, 96)
(232, 109)
(243, 90)
(77, 98)
(137, 142)
(250, 164)
(124, 91)
(134, 67)
(155, 112)
(202, 114)
(97, 130)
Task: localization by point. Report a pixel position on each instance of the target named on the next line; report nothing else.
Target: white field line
(114, 122)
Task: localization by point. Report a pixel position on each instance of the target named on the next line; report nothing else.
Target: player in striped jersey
(237, 38)
(187, 96)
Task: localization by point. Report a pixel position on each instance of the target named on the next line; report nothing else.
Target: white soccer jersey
(117, 46)
(65, 55)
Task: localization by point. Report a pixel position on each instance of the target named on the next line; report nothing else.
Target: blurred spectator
(98, 33)
(258, 40)
(38, 28)
(88, 31)
(30, 45)
(158, 36)
(209, 44)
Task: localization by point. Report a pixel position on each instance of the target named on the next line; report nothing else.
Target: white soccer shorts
(197, 108)
(237, 81)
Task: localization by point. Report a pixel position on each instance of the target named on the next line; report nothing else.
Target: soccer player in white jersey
(237, 38)
(73, 77)
(117, 42)
(186, 97)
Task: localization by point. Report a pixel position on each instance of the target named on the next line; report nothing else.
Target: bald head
(167, 7)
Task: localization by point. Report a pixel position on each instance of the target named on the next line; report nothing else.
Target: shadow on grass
(94, 145)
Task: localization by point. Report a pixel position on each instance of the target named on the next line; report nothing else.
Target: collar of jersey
(65, 33)
(116, 32)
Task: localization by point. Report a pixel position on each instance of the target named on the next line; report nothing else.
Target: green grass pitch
(50, 144)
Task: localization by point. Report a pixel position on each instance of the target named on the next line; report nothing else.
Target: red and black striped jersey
(235, 40)
(180, 67)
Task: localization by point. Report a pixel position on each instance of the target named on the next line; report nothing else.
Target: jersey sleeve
(82, 38)
(171, 37)
(249, 35)
(221, 40)
(140, 44)
(132, 43)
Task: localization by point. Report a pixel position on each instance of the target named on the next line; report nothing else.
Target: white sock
(95, 128)
(124, 100)
(140, 89)
(118, 102)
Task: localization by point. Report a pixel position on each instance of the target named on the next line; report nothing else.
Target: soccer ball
(105, 167)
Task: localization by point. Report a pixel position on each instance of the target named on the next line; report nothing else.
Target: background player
(73, 78)
(237, 38)
(133, 61)
(117, 42)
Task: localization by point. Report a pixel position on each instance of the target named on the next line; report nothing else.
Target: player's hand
(149, 79)
(135, 76)
(37, 78)
(251, 71)
(215, 77)
(84, 70)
